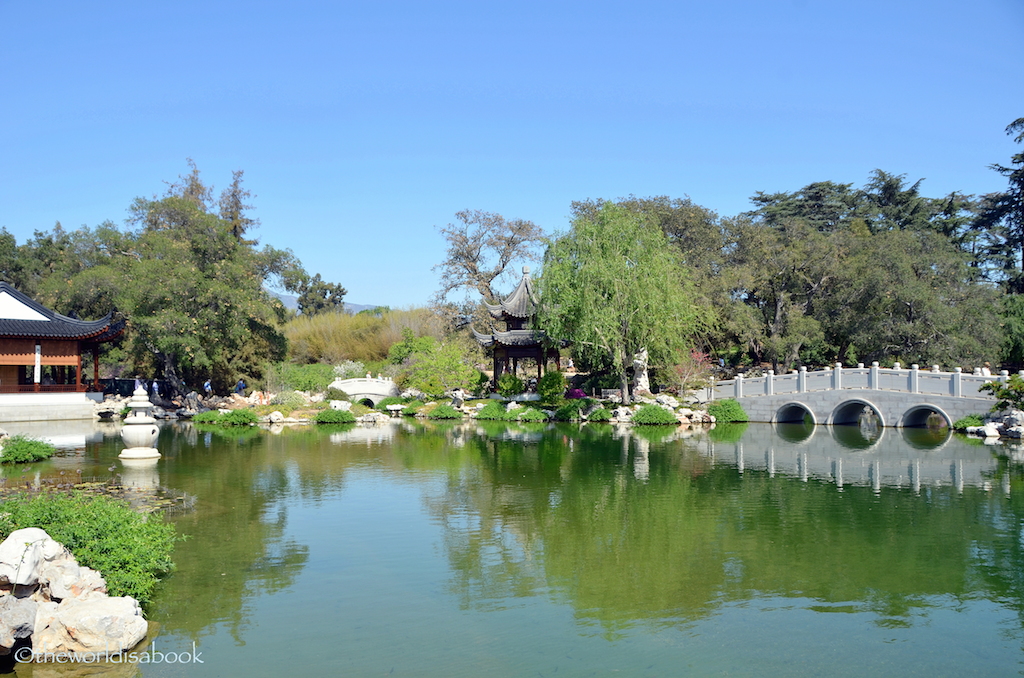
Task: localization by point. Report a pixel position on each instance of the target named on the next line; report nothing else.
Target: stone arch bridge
(898, 397)
(365, 388)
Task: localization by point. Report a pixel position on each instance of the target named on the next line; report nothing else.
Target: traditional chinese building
(518, 312)
(41, 355)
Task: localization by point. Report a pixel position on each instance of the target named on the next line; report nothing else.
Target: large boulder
(17, 621)
(94, 625)
(23, 553)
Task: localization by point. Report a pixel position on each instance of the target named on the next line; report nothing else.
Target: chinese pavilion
(41, 350)
(519, 340)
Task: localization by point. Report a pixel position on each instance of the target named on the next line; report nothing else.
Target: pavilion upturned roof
(21, 316)
(522, 303)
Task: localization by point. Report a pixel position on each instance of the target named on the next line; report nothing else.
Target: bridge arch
(373, 390)
(848, 412)
(917, 416)
(794, 412)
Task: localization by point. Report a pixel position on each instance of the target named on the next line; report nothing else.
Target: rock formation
(47, 598)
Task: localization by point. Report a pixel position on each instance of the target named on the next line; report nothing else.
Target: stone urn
(139, 430)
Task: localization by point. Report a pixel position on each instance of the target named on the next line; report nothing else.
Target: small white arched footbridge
(366, 388)
(898, 397)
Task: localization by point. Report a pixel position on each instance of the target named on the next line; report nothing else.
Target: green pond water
(489, 550)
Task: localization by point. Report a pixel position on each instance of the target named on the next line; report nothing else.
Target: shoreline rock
(49, 600)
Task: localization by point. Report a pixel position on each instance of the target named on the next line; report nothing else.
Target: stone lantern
(139, 430)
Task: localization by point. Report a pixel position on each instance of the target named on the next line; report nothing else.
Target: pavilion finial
(526, 270)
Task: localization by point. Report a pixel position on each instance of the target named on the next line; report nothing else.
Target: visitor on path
(207, 388)
(154, 390)
(986, 370)
(240, 387)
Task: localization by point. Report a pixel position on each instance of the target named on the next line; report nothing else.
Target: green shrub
(551, 386)
(336, 394)
(390, 400)
(494, 411)
(239, 418)
(21, 450)
(412, 408)
(482, 385)
(509, 385)
(132, 551)
(653, 414)
(207, 417)
(531, 414)
(728, 410)
(445, 412)
(335, 417)
(570, 411)
(962, 423)
(598, 415)
(1008, 395)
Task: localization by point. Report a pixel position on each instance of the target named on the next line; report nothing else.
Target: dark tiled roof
(520, 304)
(55, 325)
(510, 338)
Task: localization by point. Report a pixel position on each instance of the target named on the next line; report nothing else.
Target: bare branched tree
(481, 247)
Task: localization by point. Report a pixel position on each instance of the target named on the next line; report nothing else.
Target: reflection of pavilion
(518, 311)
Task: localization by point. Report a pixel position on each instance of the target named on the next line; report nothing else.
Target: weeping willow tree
(614, 287)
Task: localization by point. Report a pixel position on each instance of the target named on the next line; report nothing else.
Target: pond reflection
(486, 548)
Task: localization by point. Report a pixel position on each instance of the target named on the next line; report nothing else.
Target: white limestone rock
(275, 417)
(17, 621)
(665, 399)
(64, 578)
(23, 553)
(343, 405)
(92, 625)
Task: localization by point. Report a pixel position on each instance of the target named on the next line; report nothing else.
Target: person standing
(207, 388)
(240, 387)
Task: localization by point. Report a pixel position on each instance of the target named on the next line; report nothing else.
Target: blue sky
(363, 126)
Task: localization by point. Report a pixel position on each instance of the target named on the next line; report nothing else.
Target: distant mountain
(292, 302)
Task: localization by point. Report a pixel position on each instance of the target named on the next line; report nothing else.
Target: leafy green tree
(440, 368)
(190, 286)
(613, 286)
(1012, 314)
(410, 344)
(317, 296)
(782, 272)
(1002, 220)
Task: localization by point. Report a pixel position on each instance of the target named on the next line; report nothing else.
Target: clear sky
(363, 126)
